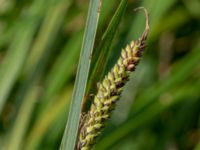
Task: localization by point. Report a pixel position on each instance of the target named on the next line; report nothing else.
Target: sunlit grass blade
(20, 127)
(18, 133)
(70, 134)
(47, 34)
(47, 119)
(13, 63)
(18, 50)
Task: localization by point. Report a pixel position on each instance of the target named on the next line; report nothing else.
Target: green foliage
(81, 77)
(102, 53)
(40, 45)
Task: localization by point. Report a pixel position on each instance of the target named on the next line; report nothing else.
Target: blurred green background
(40, 44)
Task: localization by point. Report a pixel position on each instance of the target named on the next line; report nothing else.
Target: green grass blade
(18, 50)
(70, 134)
(47, 34)
(14, 61)
(54, 18)
(23, 119)
(102, 53)
(47, 119)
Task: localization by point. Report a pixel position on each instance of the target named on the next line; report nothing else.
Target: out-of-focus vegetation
(40, 44)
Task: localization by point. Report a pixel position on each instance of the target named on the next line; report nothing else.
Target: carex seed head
(110, 89)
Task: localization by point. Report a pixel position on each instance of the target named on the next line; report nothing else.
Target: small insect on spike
(109, 90)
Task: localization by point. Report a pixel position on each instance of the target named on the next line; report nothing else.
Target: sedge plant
(109, 90)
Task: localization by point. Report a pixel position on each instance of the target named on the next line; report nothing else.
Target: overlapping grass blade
(22, 120)
(14, 61)
(47, 34)
(18, 50)
(45, 121)
(70, 134)
(53, 19)
(102, 53)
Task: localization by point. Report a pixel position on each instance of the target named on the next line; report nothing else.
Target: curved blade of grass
(41, 50)
(106, 11)
(19, 48)
(14, 61)
(47, 34)
(102, 53)
(48, 30)
(70, 134)
(22, 120)
(20, 127)
(48, 118)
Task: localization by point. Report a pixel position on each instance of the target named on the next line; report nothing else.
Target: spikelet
(110, 89)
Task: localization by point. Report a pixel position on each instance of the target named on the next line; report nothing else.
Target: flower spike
(109, 90)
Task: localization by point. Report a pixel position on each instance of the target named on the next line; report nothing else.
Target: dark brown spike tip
(147, 19)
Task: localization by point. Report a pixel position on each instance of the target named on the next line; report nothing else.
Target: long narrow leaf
(14, 62)
(22, 120)
(18, 50)
(47, 119)
(47, 34)
(70, 134)
(103, 51)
